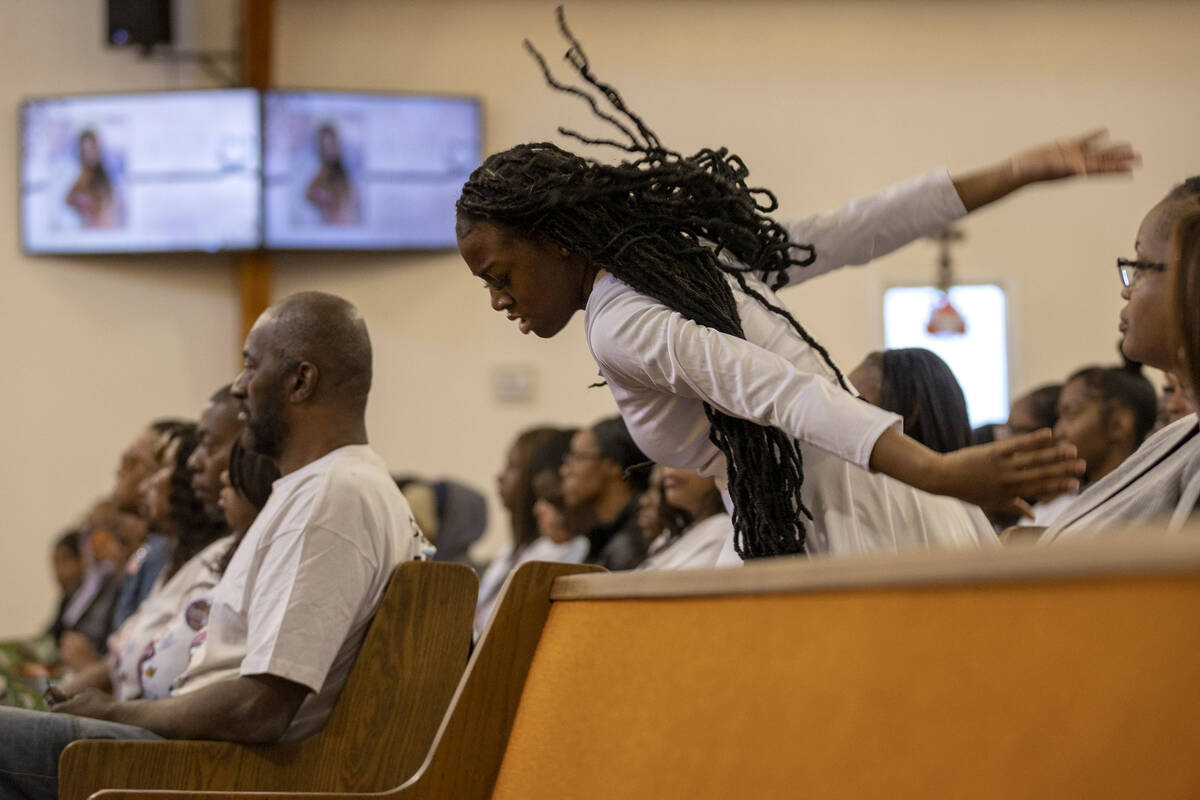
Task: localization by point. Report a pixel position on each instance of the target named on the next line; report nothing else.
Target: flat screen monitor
(151, 172)
(354, 171)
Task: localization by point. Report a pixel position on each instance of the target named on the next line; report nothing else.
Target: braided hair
(678, 229)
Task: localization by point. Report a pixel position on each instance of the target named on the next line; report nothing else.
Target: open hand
(1089, 154)
(997, 476)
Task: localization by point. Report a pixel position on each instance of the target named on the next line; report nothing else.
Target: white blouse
(696, 548)
(573, 551)
(662, 368)
(134, 641)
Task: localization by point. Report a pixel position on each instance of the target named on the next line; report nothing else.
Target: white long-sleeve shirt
(662, 368)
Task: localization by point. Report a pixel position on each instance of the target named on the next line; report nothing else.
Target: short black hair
(1127, 387)
(1043, 403)
(68, 540)
(550, 454)
(328, 331)
(612, 436)
(168, 425)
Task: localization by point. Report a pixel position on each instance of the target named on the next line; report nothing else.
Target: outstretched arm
(993, 476)
(639, 342)
(870, 227)
(1086, 155)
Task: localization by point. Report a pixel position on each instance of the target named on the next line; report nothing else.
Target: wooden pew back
(1081, 688)
(1034, 673)
(1039, 673)
(410, 662)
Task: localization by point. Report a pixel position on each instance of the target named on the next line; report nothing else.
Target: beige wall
(824, 100)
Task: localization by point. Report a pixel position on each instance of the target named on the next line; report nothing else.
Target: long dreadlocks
(677, 229)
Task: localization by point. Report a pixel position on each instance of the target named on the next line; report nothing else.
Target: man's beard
(267, 432)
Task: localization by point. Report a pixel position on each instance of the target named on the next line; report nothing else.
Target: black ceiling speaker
(139, 22)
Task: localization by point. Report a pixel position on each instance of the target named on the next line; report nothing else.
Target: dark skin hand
(993, 476)
(1089, 154)
(251, 709)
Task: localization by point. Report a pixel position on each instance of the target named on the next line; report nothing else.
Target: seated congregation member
(199, 541)
(109, 537)
(562, 534)
(650, 507)
(1106, 412)
(1185, 318)
(245, 488)
(603, 476)
(67, 562)
(514, 484)
(87, 565)
(451, 514)
(1152, 482)
(140, 460)
(1174, 402)
(462, 518)
(1033, 411)
(25, 664)
(217, 433)
(293, 605)
(919, 386)
(695, 524)
(172, 510)
(675, 261)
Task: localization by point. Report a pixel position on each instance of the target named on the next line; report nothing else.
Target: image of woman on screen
(330, 191)
(92, 195)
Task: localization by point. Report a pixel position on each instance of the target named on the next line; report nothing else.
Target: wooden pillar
(254, 269)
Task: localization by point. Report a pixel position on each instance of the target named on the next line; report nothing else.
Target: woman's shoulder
(621, 322)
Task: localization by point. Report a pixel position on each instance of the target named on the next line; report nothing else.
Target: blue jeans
(31, 741)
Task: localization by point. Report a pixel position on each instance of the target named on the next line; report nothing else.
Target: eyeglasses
(1132, 271)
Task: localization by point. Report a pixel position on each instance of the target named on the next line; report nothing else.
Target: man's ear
(304, 382)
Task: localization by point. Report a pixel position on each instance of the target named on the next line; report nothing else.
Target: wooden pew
(1066, 671)
(396, 694)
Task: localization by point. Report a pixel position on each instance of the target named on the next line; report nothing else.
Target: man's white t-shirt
(299, 592)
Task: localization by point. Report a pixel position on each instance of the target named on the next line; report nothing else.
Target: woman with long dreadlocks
(676, 261)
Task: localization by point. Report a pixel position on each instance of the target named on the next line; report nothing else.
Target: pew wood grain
(379, 732)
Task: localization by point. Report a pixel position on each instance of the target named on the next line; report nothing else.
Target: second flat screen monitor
(363, 171)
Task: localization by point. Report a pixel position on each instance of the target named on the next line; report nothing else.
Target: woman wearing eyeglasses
(1154, 480)
(1185, 255)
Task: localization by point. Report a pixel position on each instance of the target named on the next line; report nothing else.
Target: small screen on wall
(149, 172)
(354, 171)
